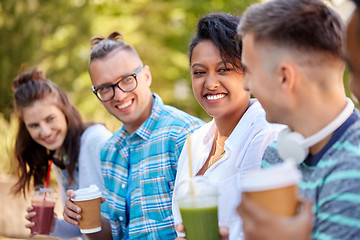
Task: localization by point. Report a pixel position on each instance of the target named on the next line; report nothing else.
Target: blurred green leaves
(54, 35)
(49, 34)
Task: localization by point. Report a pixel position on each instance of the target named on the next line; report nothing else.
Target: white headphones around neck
(294, 146)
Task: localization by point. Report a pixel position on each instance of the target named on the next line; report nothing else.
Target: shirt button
(121, 218)
(123, 185)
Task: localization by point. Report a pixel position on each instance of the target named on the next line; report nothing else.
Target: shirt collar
(248, 119)
(145, 129)
(243, 126)
(312, 160)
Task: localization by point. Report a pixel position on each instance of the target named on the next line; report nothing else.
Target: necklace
(213, 157)
(223, 150)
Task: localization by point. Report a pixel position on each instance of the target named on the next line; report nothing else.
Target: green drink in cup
(197, 199)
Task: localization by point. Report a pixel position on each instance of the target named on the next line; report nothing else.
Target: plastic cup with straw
(197, 199)
(43, 204)
(48, 178)
(188, 137)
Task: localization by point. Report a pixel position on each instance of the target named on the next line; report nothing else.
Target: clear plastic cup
(43, 202)
(197, 199)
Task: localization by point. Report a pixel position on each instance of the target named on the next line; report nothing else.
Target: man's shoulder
(352, 134)
(348, 145)
(114, 139)
(170, 115)
(96, 132)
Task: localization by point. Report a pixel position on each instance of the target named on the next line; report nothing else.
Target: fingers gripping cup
(274, 188)
(43, 202)
(197, 199)
(88, 199)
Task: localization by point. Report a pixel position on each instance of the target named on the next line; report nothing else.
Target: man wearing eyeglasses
(139, 162)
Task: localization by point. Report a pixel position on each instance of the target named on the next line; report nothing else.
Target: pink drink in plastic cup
(44, 216)
(43, 203)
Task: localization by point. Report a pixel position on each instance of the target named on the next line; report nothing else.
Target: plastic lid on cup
(199, 185)
(196, 192)
(41, 192)
(280, 175)
(89, 193)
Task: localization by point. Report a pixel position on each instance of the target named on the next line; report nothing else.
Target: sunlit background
(54, 36)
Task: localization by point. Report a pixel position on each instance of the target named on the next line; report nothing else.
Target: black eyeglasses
(125, 84)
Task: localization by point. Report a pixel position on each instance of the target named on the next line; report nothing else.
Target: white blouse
(244, 149)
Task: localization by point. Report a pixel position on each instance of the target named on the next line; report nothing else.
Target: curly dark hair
(220, 28)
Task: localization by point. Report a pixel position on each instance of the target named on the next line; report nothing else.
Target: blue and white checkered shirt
(139, 172)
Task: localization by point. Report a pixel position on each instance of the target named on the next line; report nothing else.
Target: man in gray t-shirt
(292, 57)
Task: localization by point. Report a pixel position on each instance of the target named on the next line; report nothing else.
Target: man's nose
(118, 93)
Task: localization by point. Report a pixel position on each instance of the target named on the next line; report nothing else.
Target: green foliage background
(54, 35)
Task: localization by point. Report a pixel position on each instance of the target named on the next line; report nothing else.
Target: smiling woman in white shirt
(234, 141)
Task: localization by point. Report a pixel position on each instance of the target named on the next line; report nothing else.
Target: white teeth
(215, 97)
(124, 105)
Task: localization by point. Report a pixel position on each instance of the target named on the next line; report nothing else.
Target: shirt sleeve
(257, 147)
(92, 140)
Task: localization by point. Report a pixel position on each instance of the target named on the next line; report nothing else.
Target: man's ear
(287, 76)
(147, 75)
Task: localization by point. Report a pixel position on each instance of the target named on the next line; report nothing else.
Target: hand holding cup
(224, 232)
(71, 211)
(41, 213)
(87, 202)
(274, 188)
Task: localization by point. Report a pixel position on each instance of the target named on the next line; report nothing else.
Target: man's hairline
(262, 48)
(283, 53)
(115, 51)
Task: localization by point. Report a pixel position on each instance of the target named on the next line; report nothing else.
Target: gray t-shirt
(331, 180)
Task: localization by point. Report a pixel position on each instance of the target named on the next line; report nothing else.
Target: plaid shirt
(139, 172)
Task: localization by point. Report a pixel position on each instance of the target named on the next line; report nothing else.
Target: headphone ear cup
(290, 146)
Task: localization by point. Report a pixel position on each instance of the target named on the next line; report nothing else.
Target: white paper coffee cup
(88, 199)
(274, 188)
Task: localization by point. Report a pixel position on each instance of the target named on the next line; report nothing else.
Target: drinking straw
(190, 165)
(189, 152)
(48, 177)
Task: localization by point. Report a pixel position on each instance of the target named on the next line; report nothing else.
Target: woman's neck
(226, 125)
